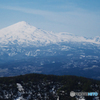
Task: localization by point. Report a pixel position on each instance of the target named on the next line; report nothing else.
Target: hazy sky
(80, 17)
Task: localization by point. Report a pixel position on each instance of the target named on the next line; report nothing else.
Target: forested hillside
(45, 87)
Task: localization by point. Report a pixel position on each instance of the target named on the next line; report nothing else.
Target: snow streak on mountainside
(23, 33)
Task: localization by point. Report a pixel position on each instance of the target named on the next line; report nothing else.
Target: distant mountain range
(23, 33)
(27, 49)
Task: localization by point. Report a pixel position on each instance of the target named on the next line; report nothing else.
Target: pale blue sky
(80, 17)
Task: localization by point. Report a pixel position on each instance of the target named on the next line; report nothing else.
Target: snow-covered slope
(23, 33)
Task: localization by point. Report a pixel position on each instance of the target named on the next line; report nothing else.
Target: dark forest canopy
(64, 83)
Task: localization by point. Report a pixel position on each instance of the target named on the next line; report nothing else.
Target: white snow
(94, 66)
(20, 98)
(19, 86)
(23, 33)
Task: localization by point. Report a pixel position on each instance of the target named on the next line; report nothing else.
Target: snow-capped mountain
(23, 33)
(27, 49)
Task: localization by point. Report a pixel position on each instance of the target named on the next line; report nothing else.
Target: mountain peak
(21, 22)
(20, 31)
(20, 26)
(28, 34)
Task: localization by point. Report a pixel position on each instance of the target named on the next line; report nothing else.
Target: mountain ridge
(23, 33)
(29, 49)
